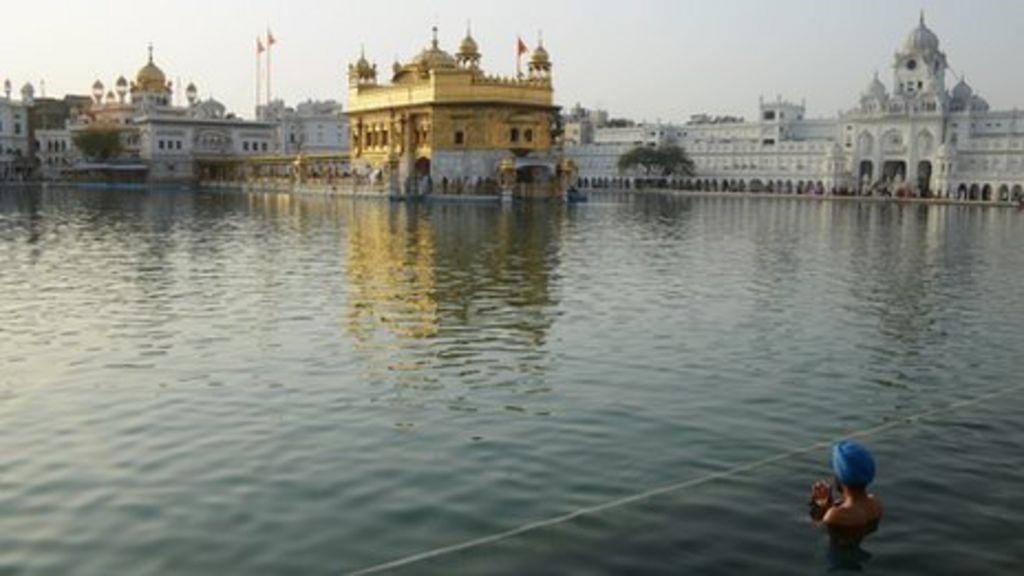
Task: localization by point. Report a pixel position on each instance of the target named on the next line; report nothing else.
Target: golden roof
(540, 56)
(469, 47)
(150, 76)
(434, 58)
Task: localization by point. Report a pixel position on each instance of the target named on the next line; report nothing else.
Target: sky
(642, 59)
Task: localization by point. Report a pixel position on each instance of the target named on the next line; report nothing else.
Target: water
(217, 383)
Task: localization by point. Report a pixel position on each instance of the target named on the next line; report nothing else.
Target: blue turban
(853, 464)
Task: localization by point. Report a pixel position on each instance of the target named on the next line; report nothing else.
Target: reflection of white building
(311, 127)
(14, 140)
(917, 137)
(163, 141)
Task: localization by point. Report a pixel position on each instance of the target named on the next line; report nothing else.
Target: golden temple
(443, 125)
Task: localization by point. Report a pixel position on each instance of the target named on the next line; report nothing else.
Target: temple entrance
(865, 174)
(924, 178)
(894, 170)
(422, 167)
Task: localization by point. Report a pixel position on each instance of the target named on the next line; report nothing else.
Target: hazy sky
(646, 59)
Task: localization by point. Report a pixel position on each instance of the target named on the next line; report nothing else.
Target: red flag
(259, 46)
(521, 47)
(270, 38)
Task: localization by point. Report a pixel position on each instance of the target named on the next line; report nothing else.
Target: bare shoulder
(875, 507)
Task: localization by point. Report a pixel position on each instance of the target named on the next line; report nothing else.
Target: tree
(665, 160)
(98, 143)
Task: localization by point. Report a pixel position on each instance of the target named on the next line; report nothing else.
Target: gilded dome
(921, 39)
(150, 77)
(469, 47)
(363, 67)
(540, 56)
(434, 58)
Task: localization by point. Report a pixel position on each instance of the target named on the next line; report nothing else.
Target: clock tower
(919, 66)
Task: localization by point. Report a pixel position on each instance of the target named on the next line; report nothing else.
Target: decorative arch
(975, 192)
(865, 144)
(986, 192)
(1004, 193)
(925, 143)
(1018, 193)
(892, 141)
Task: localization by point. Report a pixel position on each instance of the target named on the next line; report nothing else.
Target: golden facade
(441, 119)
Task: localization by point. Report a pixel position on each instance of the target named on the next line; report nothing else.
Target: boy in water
(857, 513)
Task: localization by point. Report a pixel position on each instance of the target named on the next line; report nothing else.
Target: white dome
(921, 39)
(962, 91)
(875, 89)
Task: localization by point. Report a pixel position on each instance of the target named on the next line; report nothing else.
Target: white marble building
(166, 141)
(917, 137)
(311, 127)
(14, 133)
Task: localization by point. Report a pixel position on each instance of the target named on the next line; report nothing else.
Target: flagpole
(259, 54)
(519, 57)
(270, 46)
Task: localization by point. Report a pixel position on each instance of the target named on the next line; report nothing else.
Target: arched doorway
(975, 192)
(924, 178)
(1018, 193)
(986, 193)
(895, 170)
(961, 192)
(756, 185)
(1004, 193)
(866, 174)
(422, 167)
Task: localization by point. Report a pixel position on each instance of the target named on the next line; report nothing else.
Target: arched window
(514, 135)
(528, 135)
(460, 138)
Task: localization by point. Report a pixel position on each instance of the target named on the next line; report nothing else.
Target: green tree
(666, 160)
(98, 143)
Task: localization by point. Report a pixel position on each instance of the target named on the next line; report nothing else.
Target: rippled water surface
(218, 383)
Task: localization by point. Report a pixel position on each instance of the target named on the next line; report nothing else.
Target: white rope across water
(596, 509)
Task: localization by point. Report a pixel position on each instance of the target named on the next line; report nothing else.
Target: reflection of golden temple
(390, 273)
(449, 127)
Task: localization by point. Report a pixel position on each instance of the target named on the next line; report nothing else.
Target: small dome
(921, 39)
(209, 109)
(875, 89)
(191, 89)
(540, 56)
(469, 47)
(363, 68)
(962, 91)
(121, 82)
(979, 104)
(97, 85)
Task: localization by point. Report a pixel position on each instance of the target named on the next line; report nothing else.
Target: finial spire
(922, 17)
(540, 38)
(469, 28)
(150, 52)
(434, 40)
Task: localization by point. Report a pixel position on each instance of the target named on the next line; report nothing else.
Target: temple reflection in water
(457, 286)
